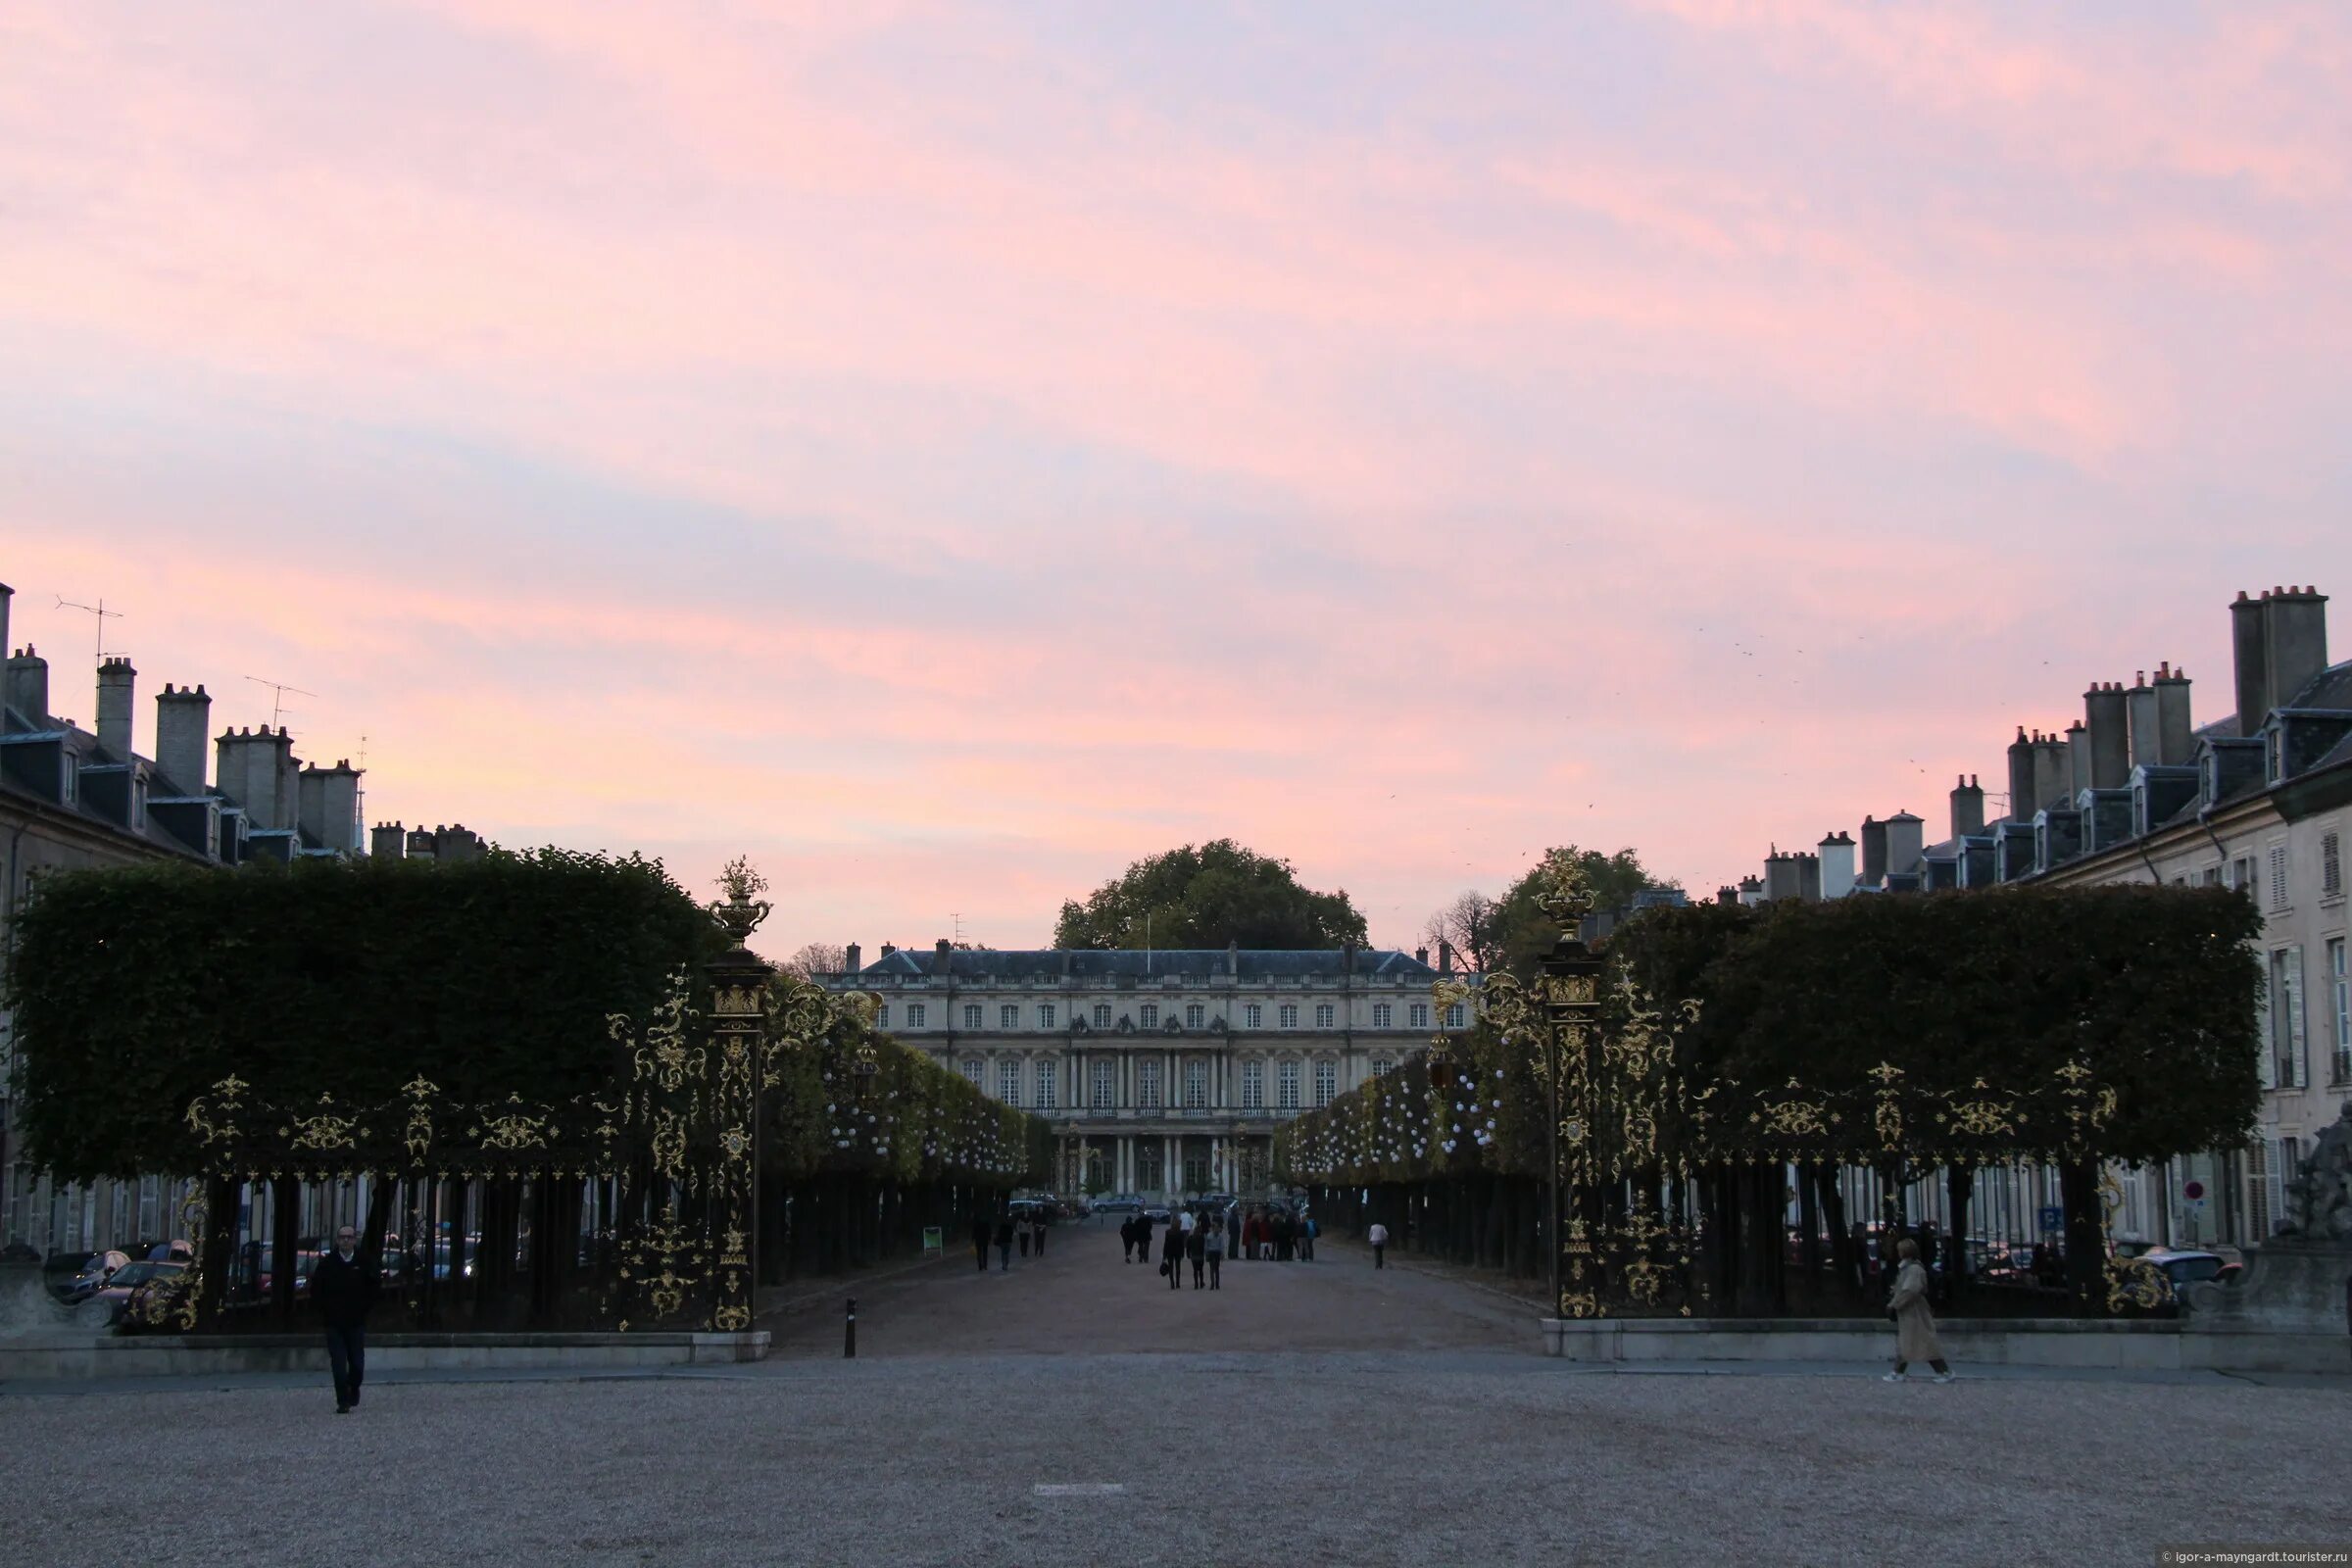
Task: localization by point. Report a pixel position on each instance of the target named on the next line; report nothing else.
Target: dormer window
(2273, 752)
(69, 777)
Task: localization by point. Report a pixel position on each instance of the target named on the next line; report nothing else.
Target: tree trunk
(285, 1220)
(2085, 1236)
(1959, 1184)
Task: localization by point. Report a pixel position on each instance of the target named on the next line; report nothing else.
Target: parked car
(1118, 1203)
(163, 1252)
(105, 1306)
(95, 1270)
(2184, 1269)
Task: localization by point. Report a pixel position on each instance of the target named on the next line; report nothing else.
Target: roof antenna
(956, 924)
(279, 689)
(98, 613)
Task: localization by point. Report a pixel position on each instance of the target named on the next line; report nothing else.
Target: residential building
(73, 797)
(1164, 1072)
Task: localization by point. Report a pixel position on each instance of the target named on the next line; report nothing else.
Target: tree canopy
(1512, 932)
(1206, 897)
(135, 990)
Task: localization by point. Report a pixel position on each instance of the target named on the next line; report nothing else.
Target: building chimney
(183, 718)
(939, 955)
(1837, 865)
(116, 679)
(1727, 893)
(853, 959)
(1907, 838)
(1445, 957)
(2110, 735)
(28, 686)
(387, 841)
(1808, 877)
(2175, 734)
(257, 770)
(423, 844)
(889, 948)
(1968, 808)
(2078, 762)
(1751, 890)
(328, 808)
(2052, 772)
(2021, 777)
(1421, 955)
(1873, 853)
(2139, 721)
(1780, 876)
(7, 596)
(2295, 637)
(2250, 651)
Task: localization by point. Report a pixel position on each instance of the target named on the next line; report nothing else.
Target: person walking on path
(1021, 1228)
(1171, 1256)
(1306, 1238)
(1233, 1230)
(1283, 1232)
(345, 1287)
(1037, 1226)
(1195, 1251)
(1214, 1246)
(1377, 1235)
(980, 1239)
(1914, 1324)
(1004, 1245)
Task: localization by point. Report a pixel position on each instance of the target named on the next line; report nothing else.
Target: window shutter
(2291, 998)
(2278, 888)
(2266, 1055)
(2331, 866)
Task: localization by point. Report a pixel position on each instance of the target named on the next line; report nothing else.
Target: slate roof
(1087, 964)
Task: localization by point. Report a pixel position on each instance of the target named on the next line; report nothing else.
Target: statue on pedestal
(2319, 1201)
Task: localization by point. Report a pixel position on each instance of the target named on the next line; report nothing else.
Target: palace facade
(1166, 1073)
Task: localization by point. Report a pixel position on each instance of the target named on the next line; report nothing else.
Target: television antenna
(278, 690)
(955, 923)
(97, 612)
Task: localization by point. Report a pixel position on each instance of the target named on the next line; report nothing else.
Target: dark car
(1118, 1203)
(95, 1270)
(106, 1305)
(2184, 1269)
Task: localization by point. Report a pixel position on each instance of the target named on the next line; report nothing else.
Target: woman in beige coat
(1914, 1325)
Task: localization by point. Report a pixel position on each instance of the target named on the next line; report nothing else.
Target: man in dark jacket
(343, 1287)
(980, 1233)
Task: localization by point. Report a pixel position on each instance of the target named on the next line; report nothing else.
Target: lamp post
(738, 1025)
(1571, 999)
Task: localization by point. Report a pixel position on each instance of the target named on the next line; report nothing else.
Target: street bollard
(849, 1332)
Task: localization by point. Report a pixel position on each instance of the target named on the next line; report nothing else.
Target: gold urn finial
(1562, 891)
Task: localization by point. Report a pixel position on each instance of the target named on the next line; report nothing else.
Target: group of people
(1029, 1231)
(1205, 1239)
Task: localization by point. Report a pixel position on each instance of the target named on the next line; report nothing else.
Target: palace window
(915, 1015)
(1196, 1017)
(1147, 1083)
(1009, 1081)
(1254, 1086)
(1327, 1081)
(971, 1070)
(1146, 1016)
(971, 1015)
(2286, 1017)
(1009, 1016)
(1253, 1016)
(1196, 1085)
(1419, 1015)
(1048, 1085)
(1382, 1066)
(1382, 1013)
(1107, 1083)
(1325, 1015)
(1044, 1015)
(1102, 1014)
(1286, 1084)
(1287, 1015)
(1457, 1016)
(2341, 1067)
(882, 1016)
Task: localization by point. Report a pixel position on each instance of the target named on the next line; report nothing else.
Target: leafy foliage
(2152, 987)
(1206, 897)
(134, 990)
(1512, 932)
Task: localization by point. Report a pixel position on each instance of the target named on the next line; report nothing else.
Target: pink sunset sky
(949, 452)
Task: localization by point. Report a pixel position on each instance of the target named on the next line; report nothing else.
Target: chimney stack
(2052, 771)
(2110, 735)
(116, 679)
(183, 716)
(2295, 639)
(2175, 734)
(2021, 804)
(853, 959)
(1906, 839)
(7, 596)
(387, 841)
(1445, 957)
(2139, 721)
(2077, 761)
(28, 686)
(2250, 649)
(1727, 893)
(1808, 876)
(328, 809)
(1968, 808)
(1421, 955)
(423, 844)
(1780, 876)
(1837, 865)
(1873, 853)
(939, 955)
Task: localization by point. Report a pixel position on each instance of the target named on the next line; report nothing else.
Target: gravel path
(1469, 1453)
